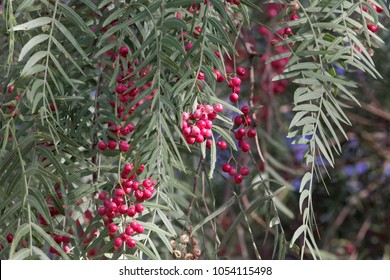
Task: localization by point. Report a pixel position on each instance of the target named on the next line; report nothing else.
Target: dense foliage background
(194, 129)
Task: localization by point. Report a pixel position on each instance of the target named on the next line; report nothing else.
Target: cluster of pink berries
(196, 126)
(371, 26)
(126, 202)
(238, 177)
(243, 131)
(127, 92)
(61, 240)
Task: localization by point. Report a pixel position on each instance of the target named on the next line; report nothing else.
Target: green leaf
(38, 22)
(303, 228)
(75, 18)
(174, 23)
(71, 39)
(21, 231)
(213, 158)
(23, 6)
(92, 6)
(28, 68)
(31, 44)
(146, 251)
(251, 5)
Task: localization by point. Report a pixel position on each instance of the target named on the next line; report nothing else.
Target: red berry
(378, 9)
(190, 140)
(240, 133)
(124, 146)
(232, 171)
(238, 120)
(119, 192)
(208, 109)
(139, 194)
(209, 143)
(218, 76)
(123, 209)
(139, 229)
(9, 238)
(212, 116)
(236, 90)
(206, 133)
(247, 121)
(235, 82)
(112, 144)
(112, 206)
(245, 147)
(139, 208)
(129, 231)
(102, 196)
(112, 228)
(233, 97)
(141, 168)
(147, 183)
(245, 110)
(201, 124)
(10, 89)
(118, 242)
(199, 138)
(244, 171)
(120, 89)
(52, 107)
(201, 76)
(147, 193)
(123, 51)
(251, 133)
(238, 178)
(218, 108)
(131, 243)
(102, 211)
(372, 27)
(287, 31)
(131, 211)
(226, 167)
(222, 145)
(110, 214)
(294, 17)
(66, 249)
(188, 46)
(102, 145)
(241, 71)
(195, 131)
(127, 168)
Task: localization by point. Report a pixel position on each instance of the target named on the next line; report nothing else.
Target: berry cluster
(125, 202)
(232, 171)
(126, 91)
(62, 240)
(197, 126)
(244, 131)
(371, 26)
(187, 248)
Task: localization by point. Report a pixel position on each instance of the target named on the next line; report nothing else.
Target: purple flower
(362, 167)
(349, 170)
(296, 184)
